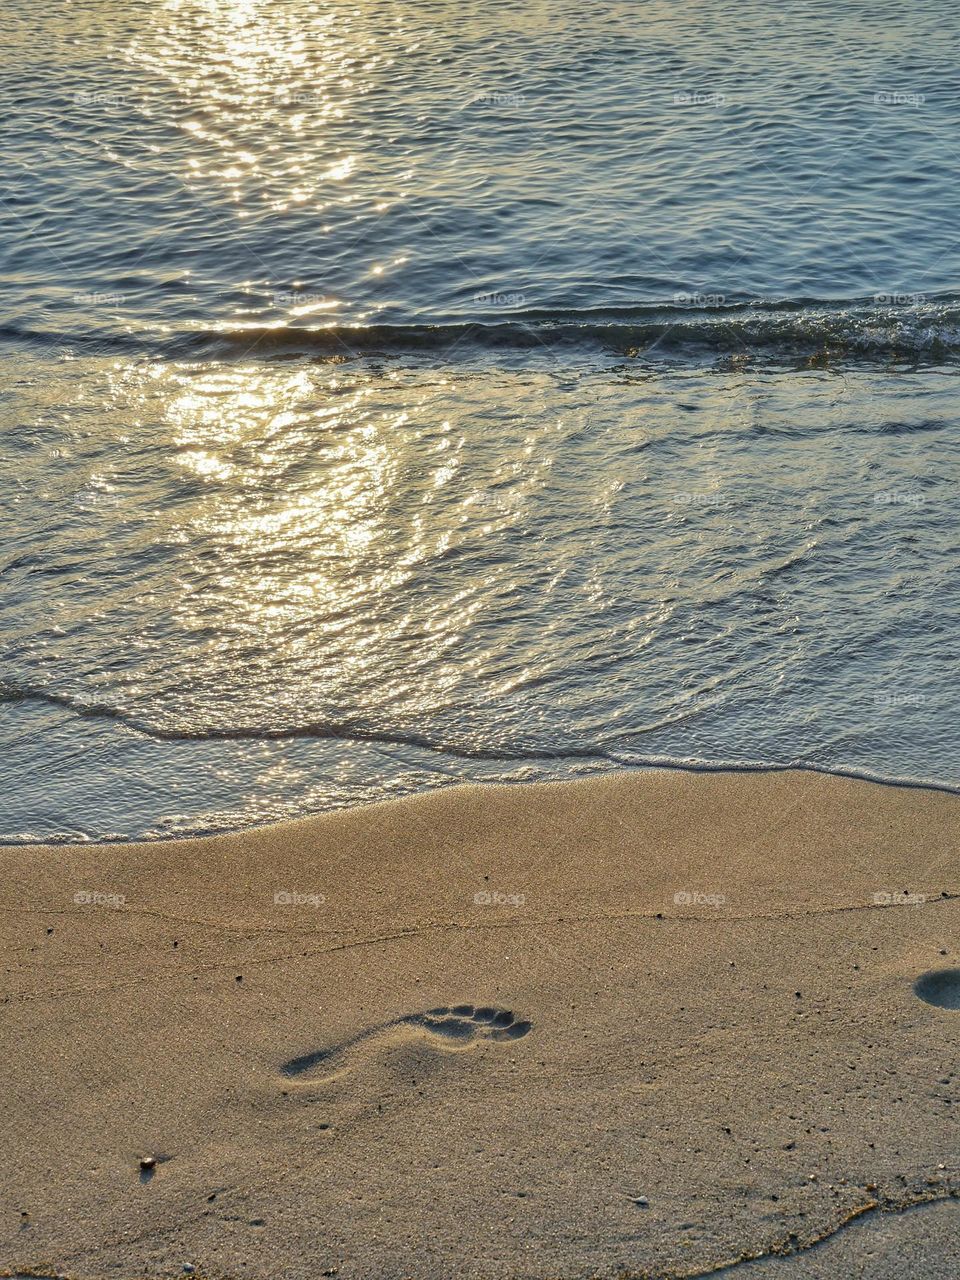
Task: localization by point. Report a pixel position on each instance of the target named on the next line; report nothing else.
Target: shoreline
(652, 1022)
(615, 769)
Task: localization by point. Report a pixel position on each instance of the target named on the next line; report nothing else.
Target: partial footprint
(464, 1022)
(453, 1027)
(940, 987)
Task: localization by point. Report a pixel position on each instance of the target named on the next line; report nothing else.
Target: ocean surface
(404, 394)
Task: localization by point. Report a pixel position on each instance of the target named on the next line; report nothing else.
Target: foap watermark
(503, 99)
(99, 299)
(296, 299)
(493, 898)
(693, 898)
(498, 299)
(896, 498)
(98, 98)
(306, 98)
(704, 300)
(290, 898)
(94, 898)
(898, 98)
(901, 899)
(693, 498)
(706, 699)
(899, 299)
(699, 98)
(92, 497)
(498, 504)
(894, 699)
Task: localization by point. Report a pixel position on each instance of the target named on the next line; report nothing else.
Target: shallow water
(430, 393)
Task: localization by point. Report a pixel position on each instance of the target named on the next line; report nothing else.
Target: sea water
(404, 394)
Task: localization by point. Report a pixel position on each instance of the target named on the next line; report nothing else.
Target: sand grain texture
(581, 1077)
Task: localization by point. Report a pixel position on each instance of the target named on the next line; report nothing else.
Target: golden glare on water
(270, 549)
(255, 429)
(260, 92)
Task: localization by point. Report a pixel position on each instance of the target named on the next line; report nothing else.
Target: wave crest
(801, 328)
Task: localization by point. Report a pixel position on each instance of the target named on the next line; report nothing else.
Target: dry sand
(674, 1084)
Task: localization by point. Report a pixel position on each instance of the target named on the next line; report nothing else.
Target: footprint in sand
(940, 987)
(456, 1027)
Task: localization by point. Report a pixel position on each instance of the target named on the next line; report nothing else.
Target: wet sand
(649, 1024)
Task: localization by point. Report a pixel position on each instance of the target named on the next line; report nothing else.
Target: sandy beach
(652, 1024)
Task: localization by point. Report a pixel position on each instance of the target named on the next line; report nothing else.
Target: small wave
(343, 731)
(605, 759)
(799, 328)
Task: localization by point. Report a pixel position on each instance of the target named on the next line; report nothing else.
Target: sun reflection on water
(268, 106)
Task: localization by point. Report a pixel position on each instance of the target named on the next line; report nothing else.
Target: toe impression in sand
(448, 1026)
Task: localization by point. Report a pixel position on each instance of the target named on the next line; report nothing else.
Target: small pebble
(148, 1162)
